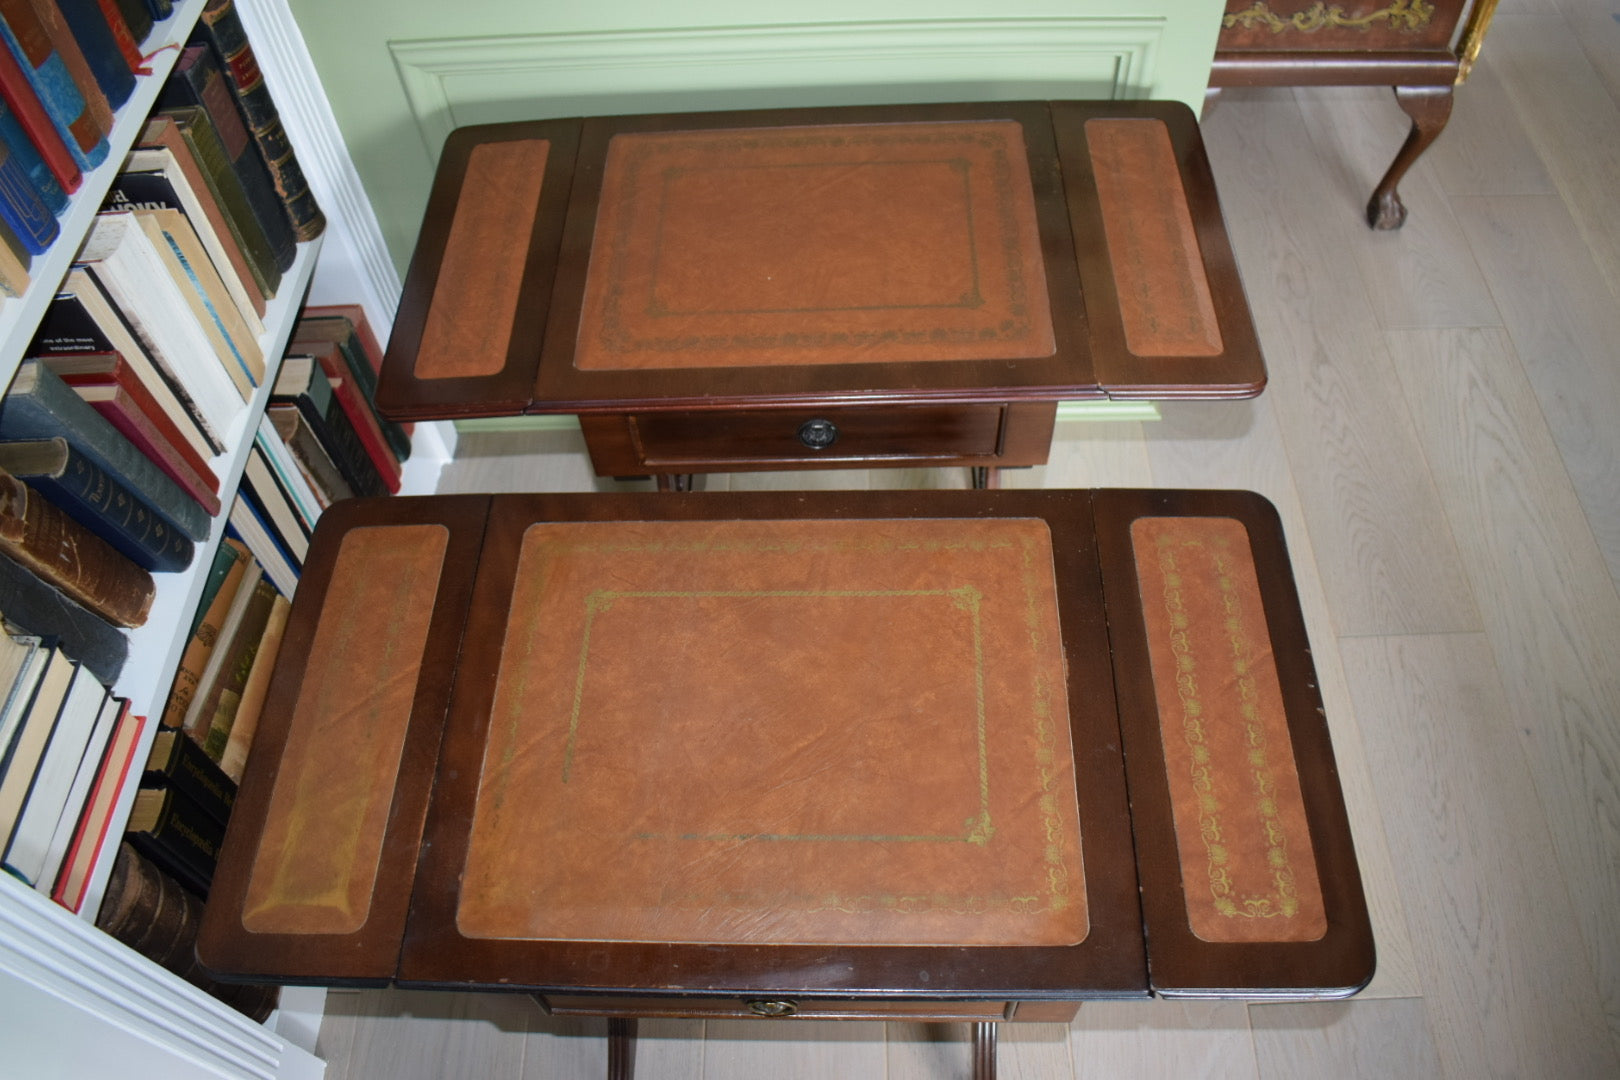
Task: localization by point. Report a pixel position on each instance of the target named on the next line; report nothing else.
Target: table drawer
(699, 441)
(808, 1008)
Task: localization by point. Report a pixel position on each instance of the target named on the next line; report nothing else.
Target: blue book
(41, 406)
(53, 83)
(27, 155)
(42, 609)
(100, 48)
(22, 209)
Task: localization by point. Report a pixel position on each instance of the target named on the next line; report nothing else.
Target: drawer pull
(818, 434)
(773, 1008)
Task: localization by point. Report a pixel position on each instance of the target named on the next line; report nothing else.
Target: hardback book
(153, 178)
(48, 74)
(30, 113)
(27, 849)
(175, 834)
(85, 763)
(137, 425)
(104, 54)
(234, 758)
(177, 761)
(87, 371)
(363, 359)
(121, 258)
(86, 493)
(27, 747)
(232, 566)
(204, 291)
(82, 319)
(250, 604)
(286, 475)
(93, 830)
(38, 535)
(198, 81)
(307, 452)
(303, 383)
(220, 27)
(21, 206)
(240, 652)
(188, 134)
(362, 415)
(247, 522)
(22, 661)
(138, 17)
(152, 913)
(129, 45)
(14, 276)
(26, 154)
(61, 36)
(260, 481)
(41, 406)
(35, 607)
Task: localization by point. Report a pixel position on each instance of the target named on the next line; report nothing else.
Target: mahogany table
(945, 755)
(828, 287)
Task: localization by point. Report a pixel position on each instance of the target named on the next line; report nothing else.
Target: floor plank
(1350, 1040)
(1151, 1040)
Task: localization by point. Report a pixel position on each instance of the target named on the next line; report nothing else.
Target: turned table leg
(621, 1048)
(984, 477)
(1430, 108)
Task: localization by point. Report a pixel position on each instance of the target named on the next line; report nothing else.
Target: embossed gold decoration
(1406, 16)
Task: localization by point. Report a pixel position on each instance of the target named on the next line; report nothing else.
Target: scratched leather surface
(780, 732)
(820, 244)
(1248, 869)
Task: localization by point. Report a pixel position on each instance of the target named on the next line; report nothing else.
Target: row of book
(67, 66)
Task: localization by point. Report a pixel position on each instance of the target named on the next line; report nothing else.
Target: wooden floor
(1442, 436)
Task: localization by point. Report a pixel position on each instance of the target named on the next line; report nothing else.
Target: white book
(176, 244)
(67, 822)
(119, 255)
(53, 779)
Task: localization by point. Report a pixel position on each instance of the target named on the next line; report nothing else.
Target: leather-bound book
(50, 73)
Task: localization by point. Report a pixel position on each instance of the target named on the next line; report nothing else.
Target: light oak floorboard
(1596, 25)
(1153, 1040)
(1349, 1040)
(794, 1049)
(945, 1052)
(1388, 563)
(1551, 613)
(1507, 982)
(1484, 149)
(1565, 326)
(405, 1034)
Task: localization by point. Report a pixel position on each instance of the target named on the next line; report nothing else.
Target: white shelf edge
(20, 315)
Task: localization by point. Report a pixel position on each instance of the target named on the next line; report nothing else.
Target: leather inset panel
(780, 732)
(316, 864)
(469, 322)
(1164, 295)
(821, 244)
(1248, 869)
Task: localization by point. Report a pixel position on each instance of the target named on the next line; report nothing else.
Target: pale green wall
(401, 73)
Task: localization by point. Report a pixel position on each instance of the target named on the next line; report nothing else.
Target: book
(152, 913)
(27, 747)
(220, 27)
(176, 835)
(35, 607)
(247, 522)
(48, 74)
(138, 17)
(249, 609)
(154, 178)
(121, 258)
(89, 843)
(124, 412)
(303, 383)
(55, 24)
(25, 659)
(22, 207)
(210, 302)
(104, 55)
(234, 758)
(41, 406)
(232, 565)
(81, 318)
(225, 556)
(241, 654)
(260, 482)
(362, 416)
(308, 454)
(362, 356)
(28, 156)
(14, 261)
(94, 375)
(288, 477)
(86, 493)
(198, 82)
(17, 652)
(129, 46)
(177, 761)
(38, 535)
(36, 122)
(78, 790)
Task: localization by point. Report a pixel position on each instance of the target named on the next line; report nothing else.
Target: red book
(94, 830)
(356, 314)
(128, 48)
(120, 408)
(358, 410)
(25, 105)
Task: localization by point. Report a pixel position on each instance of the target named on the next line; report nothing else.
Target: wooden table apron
(405, 930)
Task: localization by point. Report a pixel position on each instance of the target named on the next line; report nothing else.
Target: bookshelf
(53, 963)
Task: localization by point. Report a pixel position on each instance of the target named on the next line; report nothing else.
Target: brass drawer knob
(773, 1008)
(818, 434)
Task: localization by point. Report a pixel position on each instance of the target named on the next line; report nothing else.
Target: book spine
(234, 758)
(312, 458)
(178, 762)
(128, 47)
(360, 417)
(203, 147)
(39, 536)
(42, 609)
(134, 424)
(177, 836)
(103, 54)
(21, 207)
(95, 824)
(47, 73)
(138, 17)
(204, 638)
(239, 666)
(31, 114)
(220, 25)
(41, 406)
(331, 426)
(27, 155)
(85, 492)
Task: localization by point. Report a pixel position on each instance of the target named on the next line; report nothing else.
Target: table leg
(985, 477)
(674, 481)
(1430, 108)
(984, 1051)
(621, 1048)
